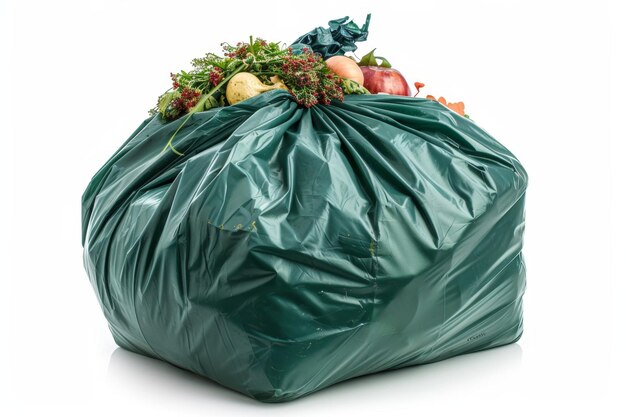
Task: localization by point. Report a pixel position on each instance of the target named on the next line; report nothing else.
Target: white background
(542, 77)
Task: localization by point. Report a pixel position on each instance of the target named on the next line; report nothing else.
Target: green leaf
(210, 103)
(369, 60)
(352, 87)
(384, 63)
(166, 99)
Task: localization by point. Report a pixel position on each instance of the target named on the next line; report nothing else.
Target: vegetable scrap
(458, 107)
(314, 70)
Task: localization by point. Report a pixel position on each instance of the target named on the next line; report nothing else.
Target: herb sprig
(304, 72)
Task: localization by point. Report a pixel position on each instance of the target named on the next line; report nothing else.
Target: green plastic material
(289, 249)
(338, 38)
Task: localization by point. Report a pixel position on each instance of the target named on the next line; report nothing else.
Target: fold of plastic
(338, 38)
(289, 249)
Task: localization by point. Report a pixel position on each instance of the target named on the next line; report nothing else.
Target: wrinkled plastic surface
(338, 38)
(289, 249)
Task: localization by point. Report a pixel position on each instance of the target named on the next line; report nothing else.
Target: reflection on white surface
(135, 375)
(139, 375)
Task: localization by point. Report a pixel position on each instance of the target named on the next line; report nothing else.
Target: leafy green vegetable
(305, 73)
(352, 87)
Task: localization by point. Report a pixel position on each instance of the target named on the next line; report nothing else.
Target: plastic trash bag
(289, 249)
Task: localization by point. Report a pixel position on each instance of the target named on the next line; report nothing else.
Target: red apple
(385, 80)
(381, 78)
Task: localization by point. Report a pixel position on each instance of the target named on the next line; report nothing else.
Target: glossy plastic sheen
(338, 38)
(289, 249)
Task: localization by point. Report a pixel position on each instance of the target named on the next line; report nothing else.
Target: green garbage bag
(289, 249)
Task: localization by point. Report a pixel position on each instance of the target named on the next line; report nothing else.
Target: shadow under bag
(289, 249)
